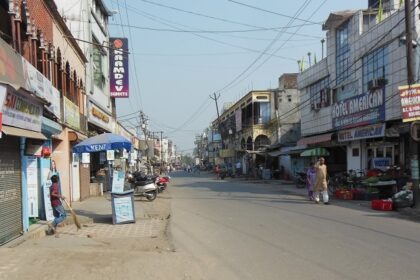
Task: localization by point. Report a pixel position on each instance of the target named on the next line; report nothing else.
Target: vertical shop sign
(118, 61)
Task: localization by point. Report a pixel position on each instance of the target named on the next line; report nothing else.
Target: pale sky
(223, 46)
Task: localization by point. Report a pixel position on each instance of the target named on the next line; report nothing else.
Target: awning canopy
(274, 153)
(10, 130)
(102, 142)
(315, 152)
(315, 139)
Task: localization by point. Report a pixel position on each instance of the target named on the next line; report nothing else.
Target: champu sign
(118, 61)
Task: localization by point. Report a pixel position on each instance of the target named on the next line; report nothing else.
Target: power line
(212, 17)
(261, 29)
(279, 34)
(135, 67)
(275, 13)
(281, 46)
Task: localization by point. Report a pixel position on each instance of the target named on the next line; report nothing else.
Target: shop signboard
(364, 109)
(363, 132)
(410, 102)
(71, 114)
(22, 112)
(381, 163)
(118, 181)
(11, 70)
(41, 86)
(98, 117)
(118, 62)
(123, 208)
(110, 155)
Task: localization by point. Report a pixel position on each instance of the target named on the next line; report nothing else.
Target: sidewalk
(95, 215)
(289, 187)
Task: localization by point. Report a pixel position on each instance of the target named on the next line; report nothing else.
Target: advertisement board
(364, 109)
(71, 114)
(41, 86)
(363, 132)
(118, 67)
(22, 112)
(410, 102)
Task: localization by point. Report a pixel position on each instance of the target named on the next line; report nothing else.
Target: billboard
(364, 109)
(410, 102)
(118, 67)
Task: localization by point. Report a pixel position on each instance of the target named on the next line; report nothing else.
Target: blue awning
(102, 142)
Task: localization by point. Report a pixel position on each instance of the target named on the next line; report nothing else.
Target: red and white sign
(410, 102)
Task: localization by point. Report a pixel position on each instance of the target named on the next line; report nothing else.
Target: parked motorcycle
(144, 186)
(162, 182)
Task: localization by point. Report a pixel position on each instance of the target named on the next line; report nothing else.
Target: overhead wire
(275, 13)
(268, 47)
(215, 18)
(133, 60)
(280, 47)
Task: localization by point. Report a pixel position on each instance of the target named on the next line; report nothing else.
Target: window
(320, 94)
(342, 53)
(289, 98)
(98, 75)
(374, 67)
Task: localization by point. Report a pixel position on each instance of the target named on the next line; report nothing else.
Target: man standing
(321, 181)
(58, 209)
(238, 167)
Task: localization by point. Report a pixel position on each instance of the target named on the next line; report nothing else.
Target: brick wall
(43, 19)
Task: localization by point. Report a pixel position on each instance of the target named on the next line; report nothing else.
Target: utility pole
(161, 151)
(215, 98)
(414, 161)
(144, 121)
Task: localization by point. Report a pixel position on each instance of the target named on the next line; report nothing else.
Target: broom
(73, 214)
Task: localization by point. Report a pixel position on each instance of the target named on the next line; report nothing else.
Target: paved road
(240, 230)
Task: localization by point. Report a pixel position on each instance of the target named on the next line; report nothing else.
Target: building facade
(350, 99)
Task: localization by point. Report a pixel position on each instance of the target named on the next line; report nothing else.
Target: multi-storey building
(350, 100)
(43, 84)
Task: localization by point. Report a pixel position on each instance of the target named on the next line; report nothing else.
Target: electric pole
(215, 98)
(414, 161)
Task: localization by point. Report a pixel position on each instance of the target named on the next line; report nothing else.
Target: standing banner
(118, 181)
(118, 67)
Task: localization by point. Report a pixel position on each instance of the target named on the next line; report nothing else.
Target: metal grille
(10, 189)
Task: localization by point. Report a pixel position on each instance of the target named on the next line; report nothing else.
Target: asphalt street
(240, 230)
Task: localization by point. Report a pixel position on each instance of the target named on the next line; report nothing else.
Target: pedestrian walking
(238, 167)
(310, 180)
(58, 209)
(321, 181)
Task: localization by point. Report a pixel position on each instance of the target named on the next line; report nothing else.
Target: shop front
(20, 146)
(74, 177)
(99, 121)
(372, 147)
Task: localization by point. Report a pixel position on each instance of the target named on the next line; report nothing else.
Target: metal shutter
(10, 189)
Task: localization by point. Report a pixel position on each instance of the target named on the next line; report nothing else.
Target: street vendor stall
(122, 201)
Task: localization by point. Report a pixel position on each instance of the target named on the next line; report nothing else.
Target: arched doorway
(261, 142)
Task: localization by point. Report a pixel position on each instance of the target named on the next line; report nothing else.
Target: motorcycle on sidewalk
(143, 185)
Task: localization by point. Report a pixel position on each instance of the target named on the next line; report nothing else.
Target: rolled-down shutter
(10, 189)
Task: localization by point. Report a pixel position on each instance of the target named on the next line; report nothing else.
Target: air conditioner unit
(315, 106)
(377, 83)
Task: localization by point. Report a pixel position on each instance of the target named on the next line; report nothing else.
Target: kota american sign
(118, 62)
